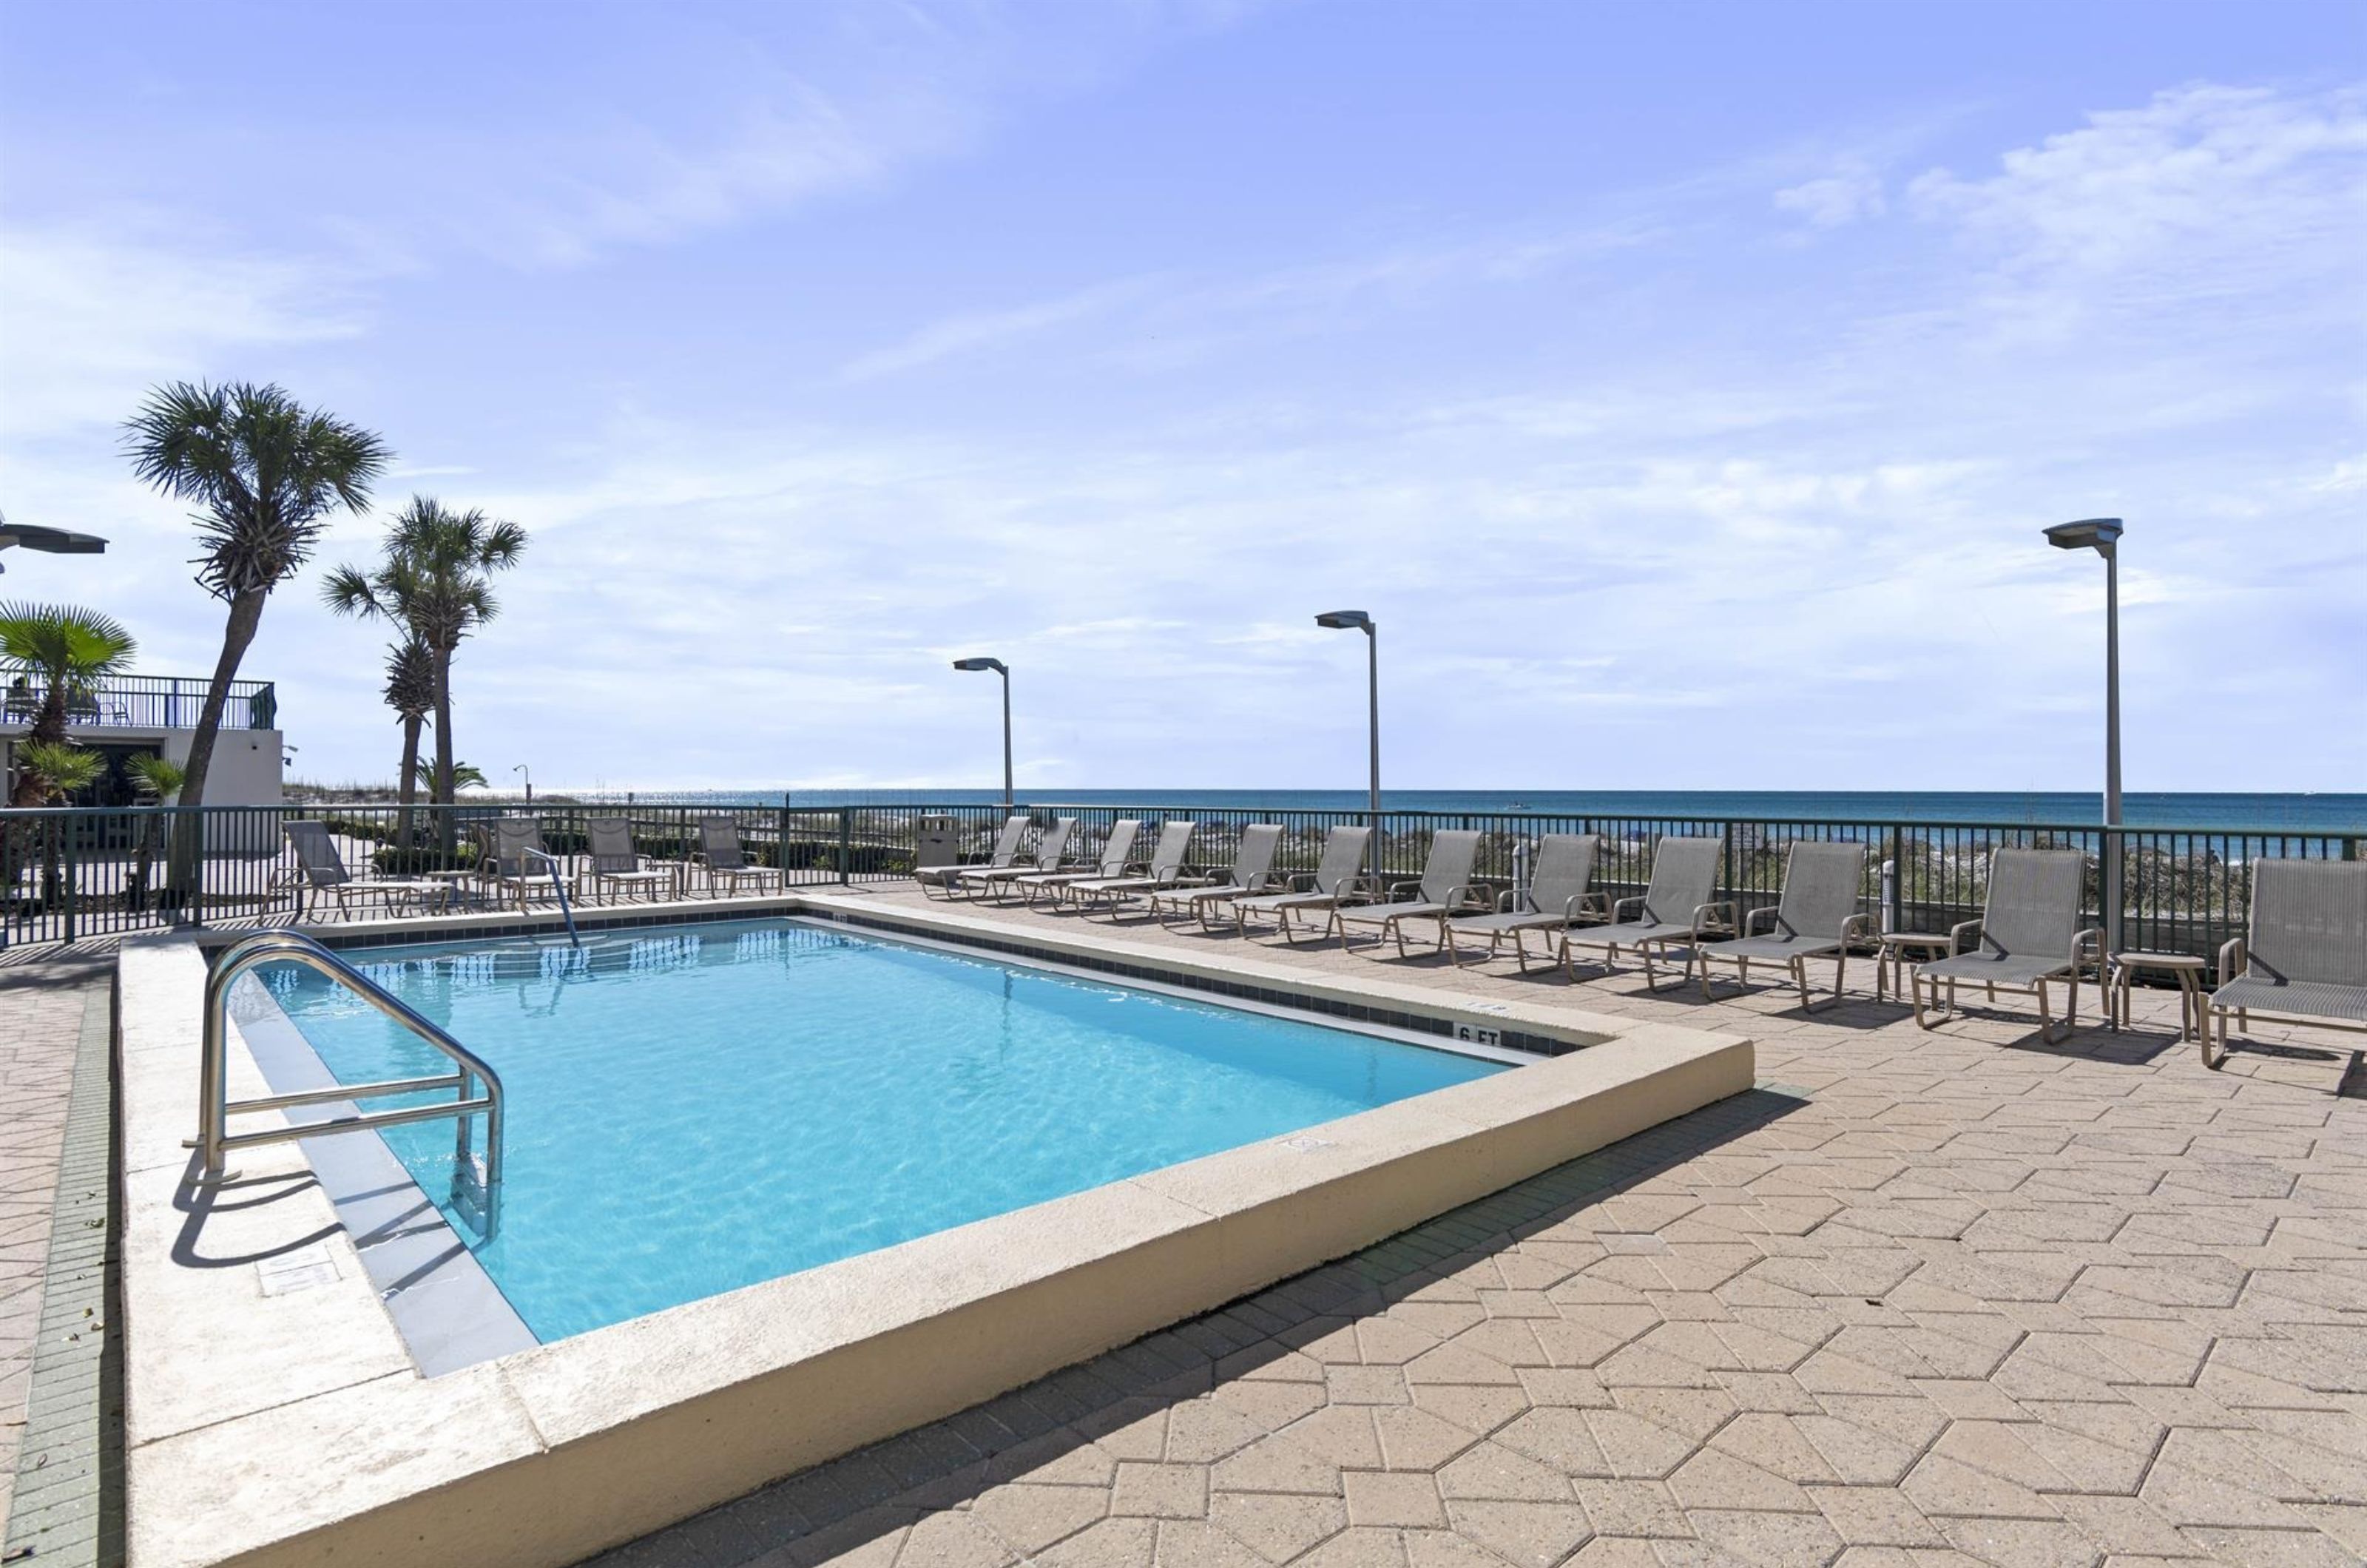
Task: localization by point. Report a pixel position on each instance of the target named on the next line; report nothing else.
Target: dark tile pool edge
(67, 1504)
(792, 905)
(446, 1307)
(1182, 979)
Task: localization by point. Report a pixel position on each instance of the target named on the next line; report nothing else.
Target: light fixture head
(993, 664)
(1345, 620)
(2098, 534)
(50, 541)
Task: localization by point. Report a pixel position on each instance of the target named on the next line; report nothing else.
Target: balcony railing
(144, 701)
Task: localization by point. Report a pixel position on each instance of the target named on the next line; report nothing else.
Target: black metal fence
(67, 873)
(146, 702)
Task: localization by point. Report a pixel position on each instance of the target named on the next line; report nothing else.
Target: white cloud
(92, 319)
(1835, 199)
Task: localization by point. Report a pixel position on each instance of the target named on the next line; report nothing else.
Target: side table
(1890, 963)
(2187, 966)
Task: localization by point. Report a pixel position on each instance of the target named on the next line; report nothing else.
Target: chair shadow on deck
(847, 1502)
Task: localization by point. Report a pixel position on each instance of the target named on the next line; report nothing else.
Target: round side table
(1891, 961)
(2188, 968)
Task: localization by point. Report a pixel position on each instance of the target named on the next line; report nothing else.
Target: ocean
(2293, 813)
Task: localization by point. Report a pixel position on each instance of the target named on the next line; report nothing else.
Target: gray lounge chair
(616, 865)
(1251, 873)
(1817, 917)
(1051, 852)
(727, 861)
(1335, 880)
(319, 869)
(2306, 959)
(2028, 934)
(1556, 899)
(1167, 870)
(1678, 905)
(1444, 889)
(1117, 853)
(516, 862)
(944, 878)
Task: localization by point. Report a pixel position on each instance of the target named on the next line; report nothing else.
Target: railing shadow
(865, 1497)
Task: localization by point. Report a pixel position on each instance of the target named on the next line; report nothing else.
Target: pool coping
(282, 1423)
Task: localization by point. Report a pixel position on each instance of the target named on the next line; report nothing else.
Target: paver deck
(1920, 1299)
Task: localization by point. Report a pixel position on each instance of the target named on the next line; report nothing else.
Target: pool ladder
(476, 1183)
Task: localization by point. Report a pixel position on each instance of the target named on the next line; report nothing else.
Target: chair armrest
(1585, 903)
(1637, 900)
(1301, 882)
(1956, 935)
(1361, 889)
(2088, 947)
(1750, 920)
(1859, 926)
(1468, 897)
(1504, 902)
(1397, 890)
(2234, 959)
(1706, 917)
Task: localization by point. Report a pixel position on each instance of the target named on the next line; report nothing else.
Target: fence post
(1893, 883)
(68, 835)
(2111, 892)
(846, 845)
(781, 841)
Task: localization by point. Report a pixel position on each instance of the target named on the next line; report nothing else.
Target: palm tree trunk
(408, 790)
(188, 843)
(447, 835)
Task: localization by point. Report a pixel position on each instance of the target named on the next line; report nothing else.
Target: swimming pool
(695, 1108)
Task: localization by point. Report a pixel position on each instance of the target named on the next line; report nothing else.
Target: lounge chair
(1117, 854)
(2028, 934)
(1334, 881)
(1556, 899)
(1251, 873)
(1052, 849)
(2306, 959)
(616, 865)
(1444, 889)
(727, 862)
(946, 878)
(516, 862)
(321, 869)
(1678, 905)
(1167, 858)
(1817, 917)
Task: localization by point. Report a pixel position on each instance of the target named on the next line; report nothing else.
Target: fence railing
(146, 702)
(70, 873)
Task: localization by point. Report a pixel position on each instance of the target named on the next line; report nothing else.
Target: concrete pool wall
(275, 1413)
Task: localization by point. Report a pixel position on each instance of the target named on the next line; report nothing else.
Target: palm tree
(264, 472)
(67, 651)
(432, 581)
(411, 693)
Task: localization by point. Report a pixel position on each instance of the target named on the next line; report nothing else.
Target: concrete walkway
(40, 1022)
(1923, 1299)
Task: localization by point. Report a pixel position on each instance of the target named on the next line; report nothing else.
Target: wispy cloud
(985, 329)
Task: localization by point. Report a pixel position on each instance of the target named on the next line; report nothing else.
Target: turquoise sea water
(695, 1108)
(2256, 813)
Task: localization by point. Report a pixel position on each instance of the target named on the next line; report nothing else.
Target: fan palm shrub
(159, 784)
(67, 651)
(265, 474)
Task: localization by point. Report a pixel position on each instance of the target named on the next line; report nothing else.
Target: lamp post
(2102, 535)
(1358, 620)
(521, 768)
(998, 667)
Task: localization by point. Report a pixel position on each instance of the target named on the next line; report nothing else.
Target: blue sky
(1681, 387)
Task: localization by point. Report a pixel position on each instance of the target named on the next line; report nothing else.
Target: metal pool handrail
(215, 1108)
(558, 886)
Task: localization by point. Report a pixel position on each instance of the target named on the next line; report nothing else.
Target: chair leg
(2046, 1021)
(1915, 983)
(1800, 978)
(2071, 1005)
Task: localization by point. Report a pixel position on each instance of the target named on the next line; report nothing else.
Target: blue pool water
(695, 1108)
